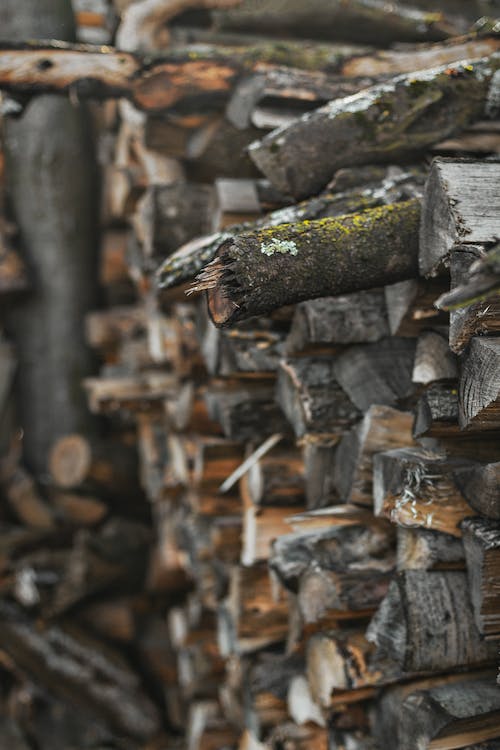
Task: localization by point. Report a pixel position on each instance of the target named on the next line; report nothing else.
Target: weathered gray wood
(480, 281)
(451, 716)
(319, 454)
(261, 271)
(310, 396)
(377, 373)
(169, 215)
(436, 411)
(481, 539)
(479, 387)
(481, 488)
(426, 623)
(433, 359)
(410, 306)
(381, 429)
(57, 218)
(397, 119)
(460, 207)
(483, 315)
(354, 318)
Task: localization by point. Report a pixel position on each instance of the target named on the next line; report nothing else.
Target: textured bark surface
(57, 219)
(353, 190)
(481, 539)
(397, 119)
(311, 259)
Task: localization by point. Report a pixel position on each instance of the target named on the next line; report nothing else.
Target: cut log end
(70, 460)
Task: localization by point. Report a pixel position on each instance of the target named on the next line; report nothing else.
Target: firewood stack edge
(280, 526)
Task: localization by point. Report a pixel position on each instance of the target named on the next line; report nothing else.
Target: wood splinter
(261, 271)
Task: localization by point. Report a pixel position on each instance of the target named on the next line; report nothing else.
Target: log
(415, 487)
(26, 502)
(345, 660)
(422, 549)
(359, 21)
(375, 125)
(319, 454)
(426, 623)
(459, 209)
(387, 725)
(310, 396)
(363, 546)
(77, 670)
(276, 479)
(381, 429)
(480, 317)
(351, 319)
(480, 281)
(245, 410)
(410, 306)
(433, 360)
(299, 263)
(450, 716)
(481, 539)
(377, 373)
(354, 189)
(436, 411)
(479, 387)
(481, 488)
(108, 468)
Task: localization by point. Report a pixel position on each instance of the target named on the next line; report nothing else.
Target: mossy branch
(255, 273)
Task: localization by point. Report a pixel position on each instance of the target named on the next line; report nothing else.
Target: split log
(352, 319)
(276, 479)
(481, 539)
(481, 488)
(243, 350)
(422, 549)
(387, 726)
(479, 281)
(313, 259)
(433, 359)
(397, 119)
(345, 660)
(377, 373)
(251, 618)
(436, 411)
(24, 499)
(459, 209)
(354, 189)
(426, 623)
(320, 484)
(79, 671)
(449, 716)
(309, 393)
(381, 429)
(359, 21)
(480, 317)
(479, 388)
(411, 308)
(170, 215)
(245, 410)
(363, 547)
(414, 487)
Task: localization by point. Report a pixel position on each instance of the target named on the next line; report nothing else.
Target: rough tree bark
(258, 272)
(51, 178)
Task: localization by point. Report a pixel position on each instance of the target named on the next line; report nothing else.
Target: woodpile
(276, 525)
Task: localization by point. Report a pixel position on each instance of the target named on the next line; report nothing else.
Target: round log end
(70, 461)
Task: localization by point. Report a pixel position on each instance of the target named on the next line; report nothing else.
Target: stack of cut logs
(286, 534)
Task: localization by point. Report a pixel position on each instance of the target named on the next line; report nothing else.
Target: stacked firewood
(282, 530)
